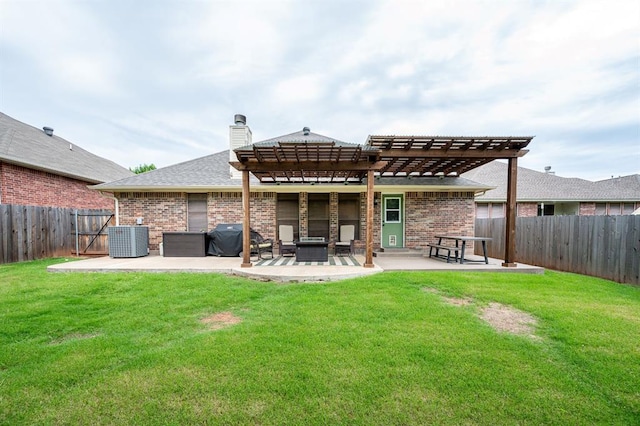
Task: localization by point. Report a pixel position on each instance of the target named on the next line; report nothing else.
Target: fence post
(77, 235)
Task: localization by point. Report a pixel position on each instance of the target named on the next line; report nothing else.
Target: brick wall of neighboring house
(527, 209)
(21, 185)
(436, 213)
(587, 209)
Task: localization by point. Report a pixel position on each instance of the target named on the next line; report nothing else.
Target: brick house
(38, 168)
(414, 199)
(545, 193)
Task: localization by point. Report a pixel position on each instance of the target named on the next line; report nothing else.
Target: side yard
(392, 348)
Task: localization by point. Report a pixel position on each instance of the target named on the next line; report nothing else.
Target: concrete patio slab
(433, 264)
(286, 273)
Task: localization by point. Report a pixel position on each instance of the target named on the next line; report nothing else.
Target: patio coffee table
(312, 249)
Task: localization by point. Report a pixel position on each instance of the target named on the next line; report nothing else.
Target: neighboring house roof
(628, 186)
(540, 186)
(27, 146)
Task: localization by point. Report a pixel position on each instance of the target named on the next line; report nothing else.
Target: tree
(143, 168)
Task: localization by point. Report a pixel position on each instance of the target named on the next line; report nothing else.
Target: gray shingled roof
(212, 171)
(205, 172)
(300, 137)
(449, 181)
(539, 186)
(30, 147)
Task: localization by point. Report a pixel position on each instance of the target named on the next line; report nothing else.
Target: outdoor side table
(312, 250)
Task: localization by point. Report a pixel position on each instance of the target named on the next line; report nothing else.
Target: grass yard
(393, 348)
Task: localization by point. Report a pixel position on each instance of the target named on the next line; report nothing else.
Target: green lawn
(130, 348)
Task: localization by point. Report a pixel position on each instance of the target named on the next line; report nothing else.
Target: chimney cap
(48, 130)
(240, 119)
(306, 131)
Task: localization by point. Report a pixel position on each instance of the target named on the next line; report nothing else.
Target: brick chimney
(239, 136)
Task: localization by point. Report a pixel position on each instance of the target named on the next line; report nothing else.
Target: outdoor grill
(226, 240)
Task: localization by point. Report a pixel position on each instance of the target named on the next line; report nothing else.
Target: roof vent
(240, 120)
(48, 131)
(547, 169)
(305, 131)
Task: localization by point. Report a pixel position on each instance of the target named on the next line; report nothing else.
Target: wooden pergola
(384, 156)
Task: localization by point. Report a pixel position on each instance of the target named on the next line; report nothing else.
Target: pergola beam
(307, 166)
(494, 154)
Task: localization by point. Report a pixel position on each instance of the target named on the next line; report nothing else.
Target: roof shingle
(30, 147)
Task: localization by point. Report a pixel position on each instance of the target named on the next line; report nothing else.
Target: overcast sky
(160, 81)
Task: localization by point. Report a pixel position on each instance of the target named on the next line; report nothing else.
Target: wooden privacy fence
(601, 246)
(33, 232)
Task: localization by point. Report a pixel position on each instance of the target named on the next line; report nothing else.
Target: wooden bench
(448, 249)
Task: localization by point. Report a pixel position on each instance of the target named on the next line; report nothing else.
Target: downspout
(116, 204)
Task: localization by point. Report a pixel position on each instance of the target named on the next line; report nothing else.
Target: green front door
(392, 221)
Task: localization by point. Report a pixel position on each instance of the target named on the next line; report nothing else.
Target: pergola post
(510, 226)
(368, 262)
(246, 222)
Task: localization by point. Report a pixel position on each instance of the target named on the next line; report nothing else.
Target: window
(319, 215)
(546, 209)
(601, 209)
(287, 212)
(197, 213)
(614, 209)
(497, 210)
(392, 210)
(628, 208)
(349, 211)
(482, 211)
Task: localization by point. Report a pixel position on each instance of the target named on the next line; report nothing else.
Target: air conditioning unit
(128, 241)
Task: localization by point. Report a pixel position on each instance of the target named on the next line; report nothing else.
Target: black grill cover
(226, 240)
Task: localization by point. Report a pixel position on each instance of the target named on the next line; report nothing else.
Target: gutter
(116, 204)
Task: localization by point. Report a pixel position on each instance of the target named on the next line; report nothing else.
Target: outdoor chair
(261, 245)
(345, 243)
(285, 242)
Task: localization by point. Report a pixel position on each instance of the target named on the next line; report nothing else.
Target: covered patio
(381, 157)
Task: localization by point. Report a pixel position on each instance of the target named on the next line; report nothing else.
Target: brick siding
(587, 209)
(160, 211)
(21, 185)
(436, 213)
(527, 209)
(167, 212)
(427, 214)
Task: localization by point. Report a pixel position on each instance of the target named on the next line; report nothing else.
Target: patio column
(510, 226)
(246, 223)
(368, 262)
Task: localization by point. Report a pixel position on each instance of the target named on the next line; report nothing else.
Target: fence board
(601, 246)
(33, 232)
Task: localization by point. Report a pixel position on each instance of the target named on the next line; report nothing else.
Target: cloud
(160, 82)
(66, 42)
